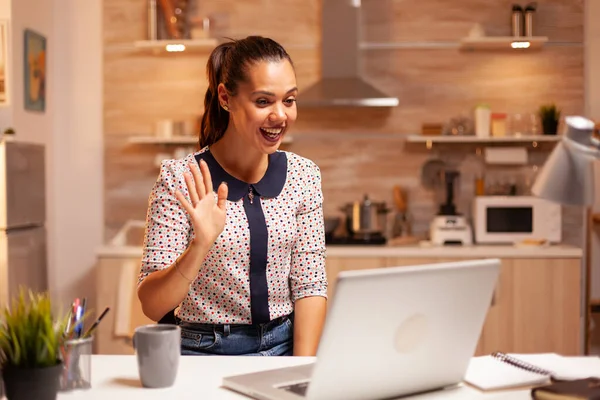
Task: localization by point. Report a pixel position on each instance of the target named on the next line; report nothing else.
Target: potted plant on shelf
(30, 342)
(549, 116)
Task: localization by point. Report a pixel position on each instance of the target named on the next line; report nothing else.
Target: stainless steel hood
(341, 83)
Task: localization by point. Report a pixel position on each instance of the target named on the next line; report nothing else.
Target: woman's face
(264, 108)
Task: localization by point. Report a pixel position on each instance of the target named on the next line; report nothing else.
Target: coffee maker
(448, 227)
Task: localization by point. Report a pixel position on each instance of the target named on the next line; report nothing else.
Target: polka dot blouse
(270, 254)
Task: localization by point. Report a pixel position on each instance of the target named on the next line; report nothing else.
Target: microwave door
(510, 220)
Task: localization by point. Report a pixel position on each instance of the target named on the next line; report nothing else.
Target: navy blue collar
(270, 185)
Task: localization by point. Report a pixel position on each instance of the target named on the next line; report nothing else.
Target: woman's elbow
(148, 309)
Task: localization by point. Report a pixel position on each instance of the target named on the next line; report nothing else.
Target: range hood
(341, 83)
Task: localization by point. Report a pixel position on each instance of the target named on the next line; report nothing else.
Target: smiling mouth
(272, 134)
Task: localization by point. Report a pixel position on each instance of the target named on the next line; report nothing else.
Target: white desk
(199, 378)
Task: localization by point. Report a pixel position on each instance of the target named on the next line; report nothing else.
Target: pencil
(95, 324)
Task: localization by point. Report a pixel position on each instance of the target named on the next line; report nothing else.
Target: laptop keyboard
(297, 388)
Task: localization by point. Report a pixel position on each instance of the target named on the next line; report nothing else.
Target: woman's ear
(223, 96)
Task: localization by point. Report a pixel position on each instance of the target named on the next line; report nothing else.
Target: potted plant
(549, 116)
(30, 342)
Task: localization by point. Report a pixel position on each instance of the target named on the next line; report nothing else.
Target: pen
(78, 314)
(95, 324)
(68, 326)
(75, 307)
(80, 317)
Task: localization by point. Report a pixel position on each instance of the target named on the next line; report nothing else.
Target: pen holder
(77, 364)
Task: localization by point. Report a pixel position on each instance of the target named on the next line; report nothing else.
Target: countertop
(417, 250)
(117, 378)
(430, 251)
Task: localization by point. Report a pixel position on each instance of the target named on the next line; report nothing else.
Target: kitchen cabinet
(536, 306)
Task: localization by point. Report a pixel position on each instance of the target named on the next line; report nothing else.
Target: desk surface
(116, 378)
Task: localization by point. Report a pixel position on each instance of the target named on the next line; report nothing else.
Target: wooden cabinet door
(334, 265)
(537, 308)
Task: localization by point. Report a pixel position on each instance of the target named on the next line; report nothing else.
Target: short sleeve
(308, 276)
(168, 230)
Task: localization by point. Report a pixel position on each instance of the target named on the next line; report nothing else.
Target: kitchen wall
(409, 50)
(70, 128)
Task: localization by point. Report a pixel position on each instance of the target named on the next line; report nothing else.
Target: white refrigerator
(23, 244)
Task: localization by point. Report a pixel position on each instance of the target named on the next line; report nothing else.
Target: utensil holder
(77, 361)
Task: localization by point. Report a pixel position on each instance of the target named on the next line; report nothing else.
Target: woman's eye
(262, 102)
(290, 101)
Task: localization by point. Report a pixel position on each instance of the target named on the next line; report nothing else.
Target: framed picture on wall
(34, 72)
(3, 62)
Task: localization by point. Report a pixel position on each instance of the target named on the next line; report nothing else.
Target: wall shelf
(482, 140)
(503, 43)
(179, 140)
(176, 46)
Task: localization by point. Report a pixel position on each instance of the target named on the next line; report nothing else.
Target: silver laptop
(389, 332)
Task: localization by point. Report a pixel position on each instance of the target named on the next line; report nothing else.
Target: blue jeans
(274, 338)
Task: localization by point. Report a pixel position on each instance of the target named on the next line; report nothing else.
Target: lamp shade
(567, 177)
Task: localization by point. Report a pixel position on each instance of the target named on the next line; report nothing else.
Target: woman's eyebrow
(266, 93)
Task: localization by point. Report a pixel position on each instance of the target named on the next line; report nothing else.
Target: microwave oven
(510, 219)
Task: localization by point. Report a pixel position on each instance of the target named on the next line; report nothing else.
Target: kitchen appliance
(341, 83)
(448, 227)
(511, 219)
(366, 217)
(366, 222)
(23, 252)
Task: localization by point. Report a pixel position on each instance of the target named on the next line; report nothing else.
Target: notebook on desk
(508, 371)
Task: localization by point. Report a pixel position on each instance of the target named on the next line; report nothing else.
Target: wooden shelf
(178, 140)
(503, 43)
(475, 139)
(176, 46)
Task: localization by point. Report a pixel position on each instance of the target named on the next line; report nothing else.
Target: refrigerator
(23, 243)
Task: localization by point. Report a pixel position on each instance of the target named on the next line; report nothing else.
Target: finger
(184, 202)
(189, 181)
(199, 188)
(222, 196)
(206, 176)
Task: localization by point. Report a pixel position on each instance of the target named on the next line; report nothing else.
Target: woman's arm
(173, 253)
(309, 318)
(308, 278)
(165, 289)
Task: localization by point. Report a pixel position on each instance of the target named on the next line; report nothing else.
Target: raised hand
(206, 213)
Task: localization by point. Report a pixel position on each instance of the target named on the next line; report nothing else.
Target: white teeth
(274, 132)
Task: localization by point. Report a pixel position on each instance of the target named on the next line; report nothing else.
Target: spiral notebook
(507, 371)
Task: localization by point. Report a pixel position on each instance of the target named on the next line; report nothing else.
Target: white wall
(6, 111)
(71, 128)
(78, 150)
(32, 14)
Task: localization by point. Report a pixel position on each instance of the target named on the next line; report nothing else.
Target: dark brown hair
(228, 64)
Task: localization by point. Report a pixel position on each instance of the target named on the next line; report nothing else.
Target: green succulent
(549, 112)
(29, 335)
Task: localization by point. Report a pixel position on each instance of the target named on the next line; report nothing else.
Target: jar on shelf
(498, 124)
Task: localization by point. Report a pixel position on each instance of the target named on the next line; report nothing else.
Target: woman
(244, 268)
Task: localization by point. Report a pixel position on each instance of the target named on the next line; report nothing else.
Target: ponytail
(228, 64)
(215, 119)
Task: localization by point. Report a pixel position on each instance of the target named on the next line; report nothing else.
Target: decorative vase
(550, 126)
(32, 383)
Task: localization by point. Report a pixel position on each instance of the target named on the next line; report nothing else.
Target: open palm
(207, 214)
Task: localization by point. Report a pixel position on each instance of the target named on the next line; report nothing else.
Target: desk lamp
(567, 178)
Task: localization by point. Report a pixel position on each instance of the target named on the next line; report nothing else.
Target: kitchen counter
(427, 250)
(123, 247)
(417, 250)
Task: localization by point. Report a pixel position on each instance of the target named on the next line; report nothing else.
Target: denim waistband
(226, 328)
